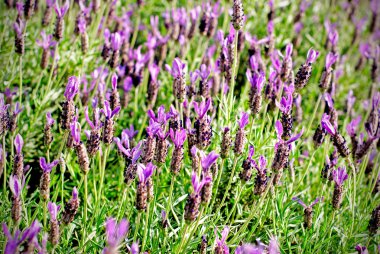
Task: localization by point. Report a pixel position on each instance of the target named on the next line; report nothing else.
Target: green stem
(146, 227)
(137, 223)
(217, 185)
(240, 188)
(52, 68)
(85, 210)
(20, 88)
(5, 169)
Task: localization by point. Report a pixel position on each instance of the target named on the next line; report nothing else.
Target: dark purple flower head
(198, 185)
(312, 55)
(202, 107)
(244, 120)
(331, 59)
(46, 41)
(115, 233)
(72, 88)
(326, 124)
(107, 110)
(285, 104)
(257, 80)
(351, 128)
(145, 171)
(299, 201)
(208, 160)
(128, 84)
(116, 41)
(19, 143)
(49, 119)
(15, 186)
(359, 248)
(19, 27)
(222, 243)
(339, 175)
(61, 11)
(47, 167)
(178, 68)
(130, 133)
(204, 72)
(178, 137)
(53, 210)
(161, 117)
(154, 70)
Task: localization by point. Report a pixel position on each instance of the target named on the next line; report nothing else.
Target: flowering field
(189, 127)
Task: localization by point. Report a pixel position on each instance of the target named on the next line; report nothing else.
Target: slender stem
(234, 71)
(137, 223)
(136, 30)
(44, 206)
(240, 188)
(193, 230)
(217, 184)
(183, 234)
(168, 205)
(52, 68)
(20, 88)
(146, 227)
(85, 209)
(5, 168)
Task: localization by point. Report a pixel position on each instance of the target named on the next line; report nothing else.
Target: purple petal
(299, 201)
(19, 143)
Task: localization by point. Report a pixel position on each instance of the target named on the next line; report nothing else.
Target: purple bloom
(312, 55)
(82, 25)
(350, 100)
(135, 248)
(19, 27)
(288, 51)
(154, 70)
(19, 143)
(257, 80)
(47, 41)
(274, 246)
(178, 137)
(339, 175)
(280, 130)
(202, 107)
(270, 27)
(285, 104)
(95, 125)
(12, 241)
(53, 210)
(204, 72)
(333, 37)
(114, 81)
(47, 167)
(61, 11)
(161, 117)
(198, 185)
(375, 6)
(152, 128)
(116, 41)
(178, 69)
(299, 201)
(115, 233)
(75, 129)
(128, 84)
(221, 243)
(109, 114)
(261, 165)
(72, 88)
(145, 171)
(208, 160)
(352, 126)
(15, 186)
(331, 59)
(326, 124)
(361, 249)
(49, 120)
(244, 120)
(365, 49)
(133, 154)
(131, 132)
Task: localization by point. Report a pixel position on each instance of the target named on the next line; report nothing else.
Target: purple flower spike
(114, 81)
(262, 163)
(312, 55)
(49, 119)
(95, 125)
(82, 25)
(61, 11)
(257, 80)
(15, 186)
(75, 193)
(47, 167)
(202, 107)
(222, 242)
(115, 233)
(12, 241)
(154, 70)
(352, 126)
(359, 248)
(121, 147)
(285, 104)
(208, 160)
(244, 120)
(339, 175)
(326, 124)
(161, 117)
(75, 131)
(107, 110)
(145, 171)
(251, 152)
(53, 210)
(178, 69)
(116, 41)
(198, 185)
(204, 72)
(19, 143)
(178, 137)
(331, 59)
(131, 132)
(72, 87)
